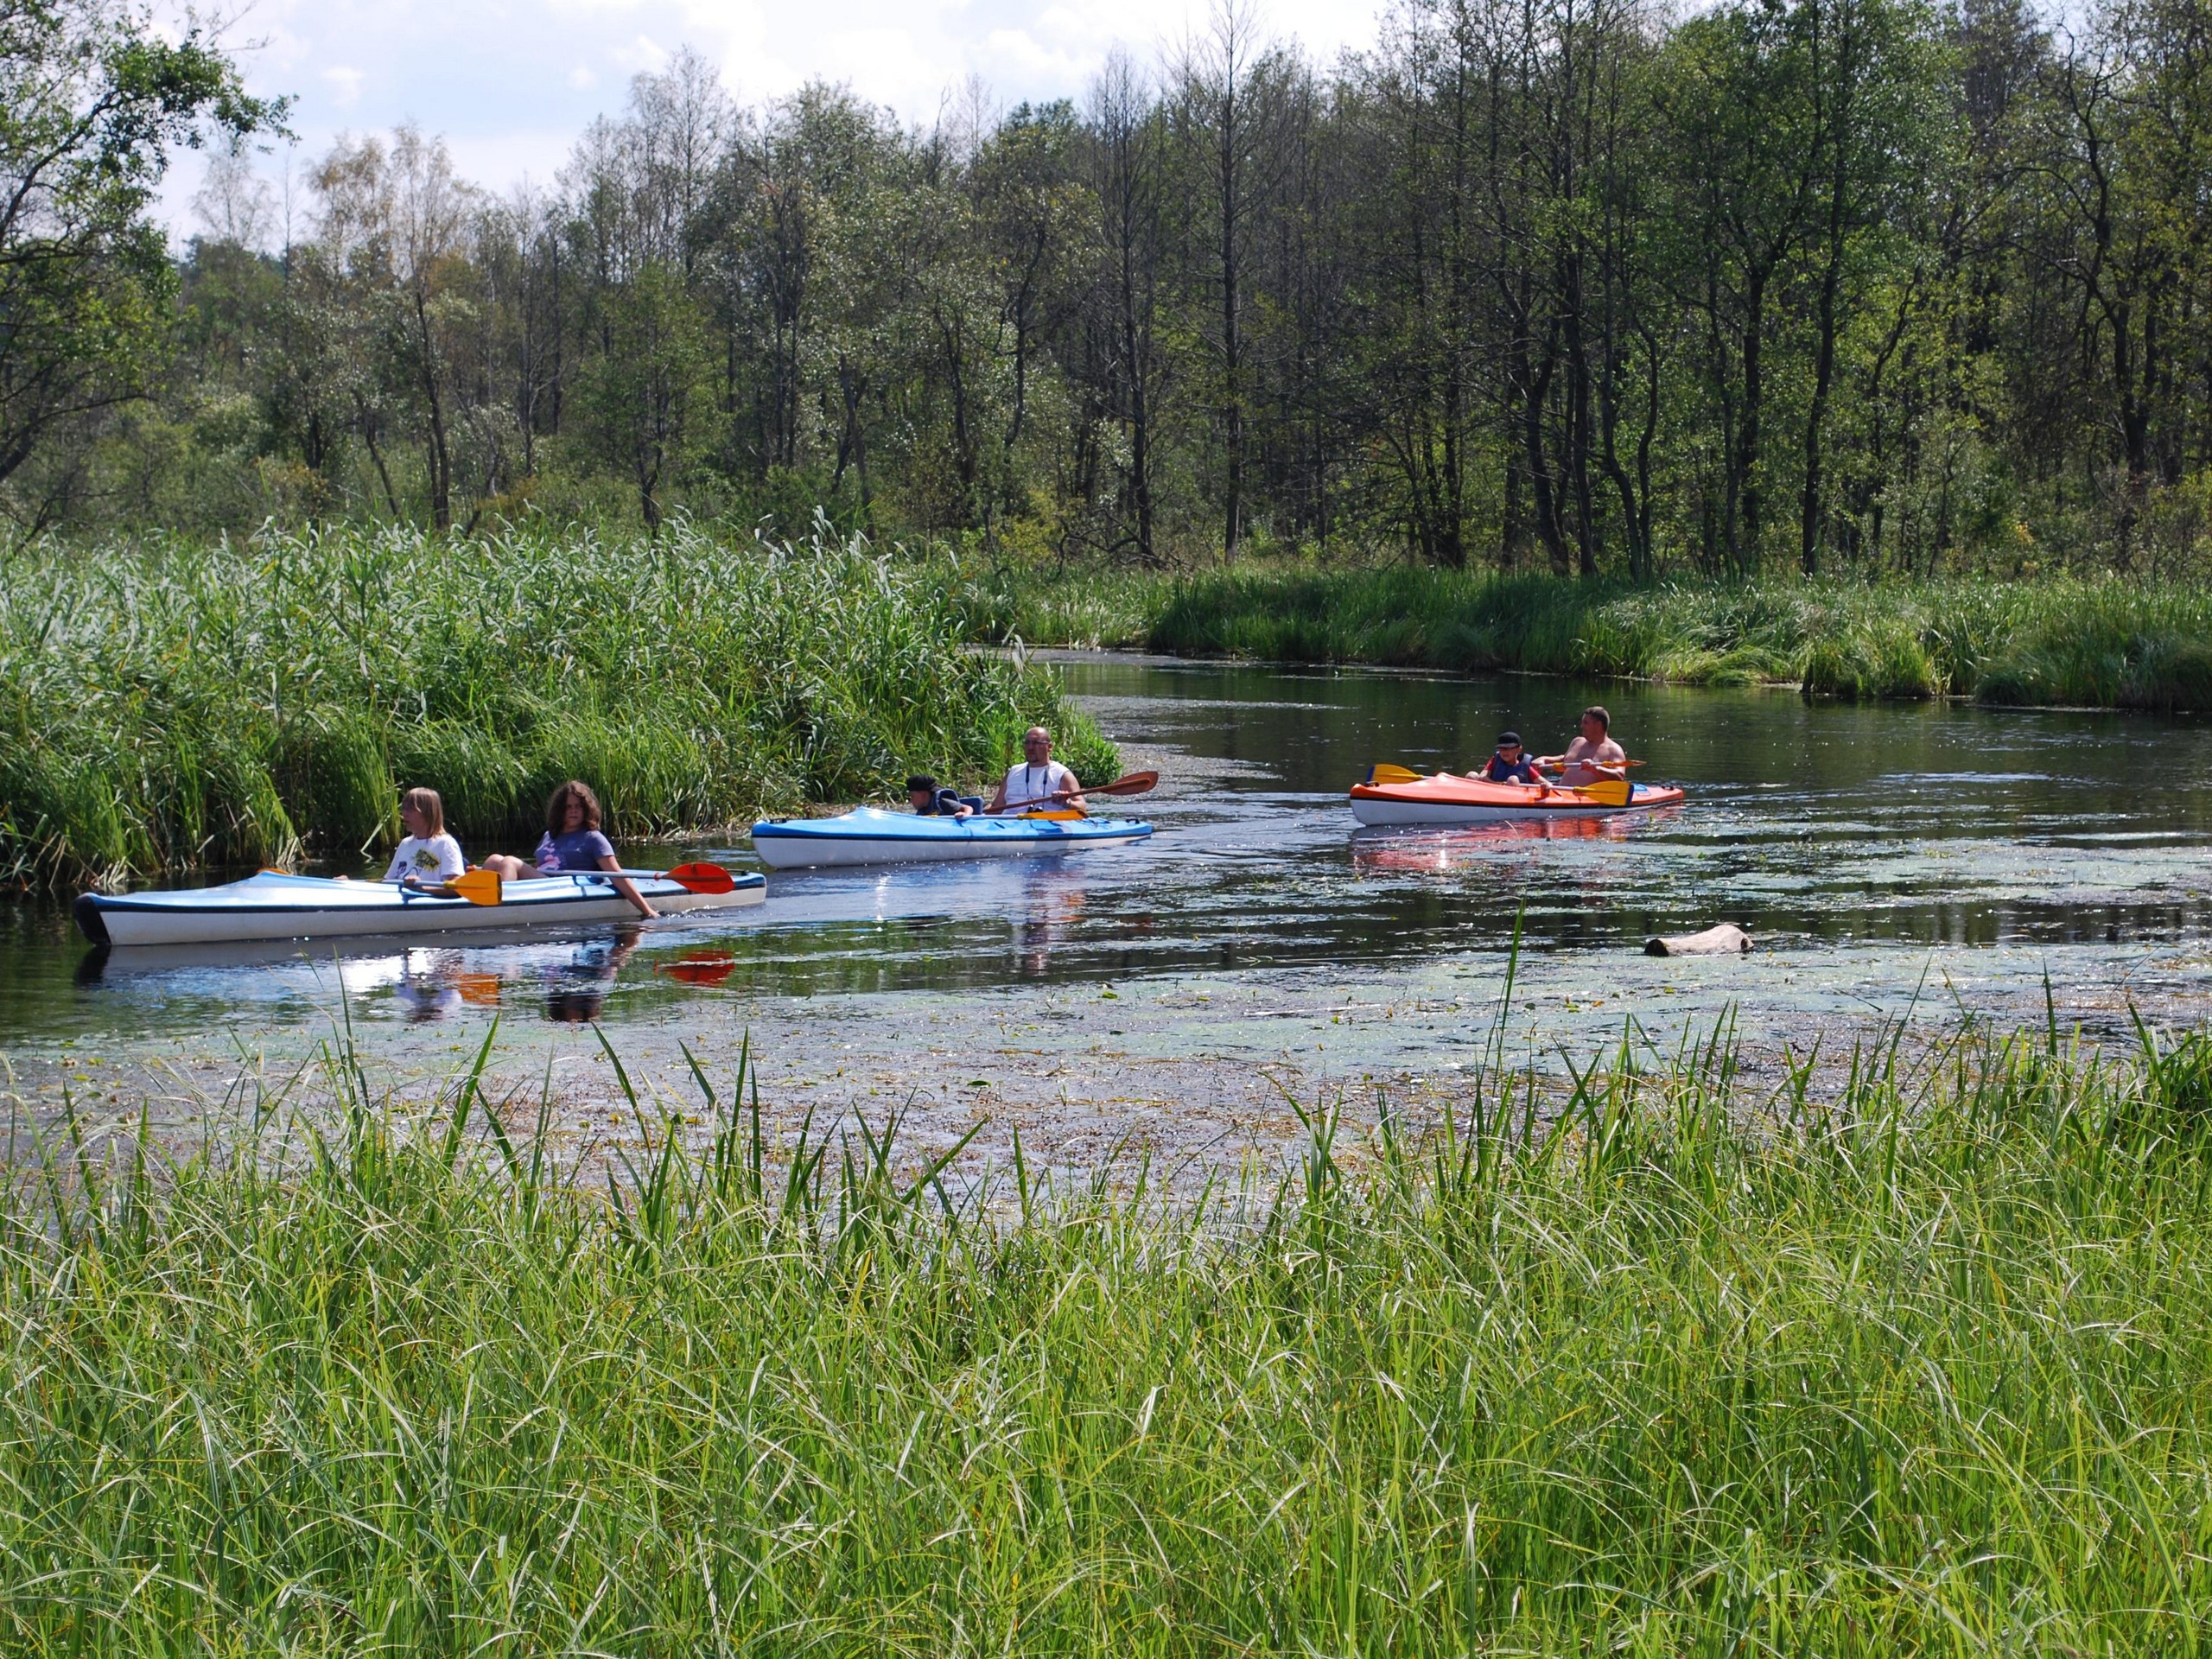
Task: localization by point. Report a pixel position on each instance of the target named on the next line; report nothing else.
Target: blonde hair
(426, 805)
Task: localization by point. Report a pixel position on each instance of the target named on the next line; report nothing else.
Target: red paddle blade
(701, 968)
(703, 878)
(1136, 783)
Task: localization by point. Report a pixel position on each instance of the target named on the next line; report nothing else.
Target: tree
(92, 103)
(1222, 106)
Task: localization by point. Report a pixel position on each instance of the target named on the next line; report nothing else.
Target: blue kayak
(872, 835)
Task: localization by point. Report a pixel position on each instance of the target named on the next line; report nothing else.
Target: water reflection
(1907, 827)
(1051, 911)
(706, 967)
(575, 990)
(1433, 850)
(436, 983)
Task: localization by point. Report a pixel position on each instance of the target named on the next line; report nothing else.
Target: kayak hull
(1445, 799)
(870, 836)
(276, 906)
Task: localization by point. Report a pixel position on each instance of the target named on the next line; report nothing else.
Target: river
(1923, 862)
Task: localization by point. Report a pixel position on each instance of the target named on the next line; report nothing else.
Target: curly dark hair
(557, 806)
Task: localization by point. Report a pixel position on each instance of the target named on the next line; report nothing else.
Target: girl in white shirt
(429, 857)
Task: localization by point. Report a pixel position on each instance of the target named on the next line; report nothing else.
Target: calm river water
(1943, 860)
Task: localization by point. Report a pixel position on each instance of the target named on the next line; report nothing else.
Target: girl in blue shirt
(572, 842)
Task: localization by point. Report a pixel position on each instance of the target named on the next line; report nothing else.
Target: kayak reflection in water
(572, 842)
(576, 992)
(1592, 755)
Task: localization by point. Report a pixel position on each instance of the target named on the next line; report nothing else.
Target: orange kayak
(1445, 798)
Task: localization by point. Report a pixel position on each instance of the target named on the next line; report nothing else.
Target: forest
(1588, 287)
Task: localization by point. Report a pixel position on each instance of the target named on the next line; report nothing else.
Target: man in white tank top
(1039, 784)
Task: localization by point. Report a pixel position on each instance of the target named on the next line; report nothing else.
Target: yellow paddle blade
(1385, 773)
(478, 886)
(1606, 791)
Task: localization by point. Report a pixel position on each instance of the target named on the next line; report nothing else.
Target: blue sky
(510, 83)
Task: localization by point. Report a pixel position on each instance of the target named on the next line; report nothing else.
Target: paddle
(693, 878)
(1135, 782)
(1606, 791)
(703, 967)
(483, 887)
(1384, 772)
(478, 886)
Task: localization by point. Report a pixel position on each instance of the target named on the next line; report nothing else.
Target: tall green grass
(2104, 643)
(1924, 1368)
(165, 705)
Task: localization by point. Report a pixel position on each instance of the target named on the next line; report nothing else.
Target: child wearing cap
(1510, 764)
(925, 796)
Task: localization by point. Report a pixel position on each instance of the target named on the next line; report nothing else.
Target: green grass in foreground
(166, 705)
(2106, 643)
(1927, 1370)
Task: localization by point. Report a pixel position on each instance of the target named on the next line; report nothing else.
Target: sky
(510, 84)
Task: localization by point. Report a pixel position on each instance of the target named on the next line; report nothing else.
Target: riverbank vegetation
(1920, 1368)
(173, 704)
(1874, 286)
(2095, 643)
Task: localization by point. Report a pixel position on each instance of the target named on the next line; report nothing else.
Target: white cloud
(510, 84)
(644, 55)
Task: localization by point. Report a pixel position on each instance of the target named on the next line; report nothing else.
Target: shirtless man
(1040, 782)
(1592, 755)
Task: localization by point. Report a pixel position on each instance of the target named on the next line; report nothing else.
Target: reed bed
(166, 706)
(1924, 1368)
(2059, 640)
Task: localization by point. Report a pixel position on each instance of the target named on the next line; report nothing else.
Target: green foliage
(2097, 643)
(1662, 1369)
(172, 705)
(93, 101)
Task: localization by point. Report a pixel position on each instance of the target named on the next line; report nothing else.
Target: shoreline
(2057, 642)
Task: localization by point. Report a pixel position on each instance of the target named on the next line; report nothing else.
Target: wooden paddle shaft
(1135, 782)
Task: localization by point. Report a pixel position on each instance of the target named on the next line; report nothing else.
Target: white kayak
(870, 836)
(275, 906)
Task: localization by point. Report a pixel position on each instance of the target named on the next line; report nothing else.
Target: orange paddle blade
(1061, 817)
(478, 886)
(477, 990)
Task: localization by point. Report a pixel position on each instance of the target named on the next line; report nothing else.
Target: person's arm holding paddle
(1039, 780)
(1592, 755)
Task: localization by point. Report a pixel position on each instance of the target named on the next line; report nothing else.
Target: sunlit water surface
(1942, 857)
